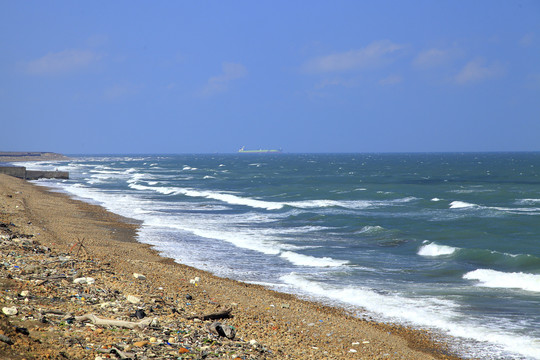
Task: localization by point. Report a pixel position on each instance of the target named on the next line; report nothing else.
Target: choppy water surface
(445, 241)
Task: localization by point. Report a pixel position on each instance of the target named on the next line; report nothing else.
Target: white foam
(435, 199)
(306, 260)
(433, 249)
(233, 199)
(227, 198)
(371, 229)
(302, 229)
(470, 191)
(246, 240)
(425, 312)
(461, 205)
(348, 204)
(498, 279)
(528, 201)
(521, 210)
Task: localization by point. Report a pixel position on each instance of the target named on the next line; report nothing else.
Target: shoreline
(287, 326)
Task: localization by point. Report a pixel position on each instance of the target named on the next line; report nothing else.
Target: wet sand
(279, 326)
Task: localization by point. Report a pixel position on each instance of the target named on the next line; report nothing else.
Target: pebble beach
(75, 284)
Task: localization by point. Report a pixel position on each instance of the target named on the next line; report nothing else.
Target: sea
(448, 242)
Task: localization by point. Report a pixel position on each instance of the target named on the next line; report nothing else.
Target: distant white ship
(260, 151)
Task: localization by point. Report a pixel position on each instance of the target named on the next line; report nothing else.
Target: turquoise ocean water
(449, 242)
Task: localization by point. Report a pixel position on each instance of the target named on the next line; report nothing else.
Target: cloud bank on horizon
(345, 77)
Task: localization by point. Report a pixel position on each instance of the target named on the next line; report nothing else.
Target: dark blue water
(445, 241)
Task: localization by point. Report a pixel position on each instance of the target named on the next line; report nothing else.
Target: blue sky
(305, 76)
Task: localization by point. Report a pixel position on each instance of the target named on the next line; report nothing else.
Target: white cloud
(477, 70)
(391, 80)
(375, 53)
(231, 72)
(62, 62)
(433, 57)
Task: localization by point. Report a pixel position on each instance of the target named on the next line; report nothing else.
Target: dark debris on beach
(70, 306)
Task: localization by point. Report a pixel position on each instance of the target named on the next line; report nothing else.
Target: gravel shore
(75, 284)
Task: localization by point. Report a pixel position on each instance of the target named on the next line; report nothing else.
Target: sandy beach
(50, 240)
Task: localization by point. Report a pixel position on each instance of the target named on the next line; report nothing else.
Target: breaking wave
(306, 260)
(498, 279)
(433, 249)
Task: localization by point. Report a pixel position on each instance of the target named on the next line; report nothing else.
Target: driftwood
(54, 312)
(6, 339)
(224, 314)
(48, 278)
(121, 354)
(143, 324)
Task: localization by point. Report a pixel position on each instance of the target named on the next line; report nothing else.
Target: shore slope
(88, 241)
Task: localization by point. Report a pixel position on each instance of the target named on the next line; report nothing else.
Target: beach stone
(10, 311)
(153, 340)
(139, 276)
(133, 299)
(24, 293)
(84, 280)
(22, 330)
(141, 343)
(219, 329)
(140, 314)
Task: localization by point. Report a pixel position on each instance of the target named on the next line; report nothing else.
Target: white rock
(352, 351)
(253, 342)
(139, 276)
(84, 280)
(133, 299)
(9, 311)
(25, 293)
